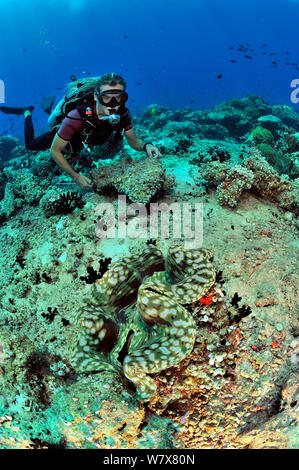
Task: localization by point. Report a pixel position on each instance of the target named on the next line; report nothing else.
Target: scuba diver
(92, 112)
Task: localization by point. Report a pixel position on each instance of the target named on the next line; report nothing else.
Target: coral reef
(7, 144)
(140, 180)
(234, 384)
(61, 203)
(262, 136)
(287, 115)
(237, 180)
(256, 174)
(272, 186)
(270, 122)
(9, 204)
(3, 181)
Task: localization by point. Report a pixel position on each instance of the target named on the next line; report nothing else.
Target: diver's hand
(153, 151)
(83, 181)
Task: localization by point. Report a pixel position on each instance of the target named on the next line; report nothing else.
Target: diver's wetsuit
(70, 130)
(43, 142)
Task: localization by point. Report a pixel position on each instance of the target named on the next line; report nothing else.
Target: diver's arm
(138, 144)
(58, 146)
(133, 141)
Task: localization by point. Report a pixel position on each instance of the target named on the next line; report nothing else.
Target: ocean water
(169, 52)
(120, 330)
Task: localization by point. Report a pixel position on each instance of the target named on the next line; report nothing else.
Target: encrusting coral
(140, 180)
(237, 180)
(255, 173)
(158, 331)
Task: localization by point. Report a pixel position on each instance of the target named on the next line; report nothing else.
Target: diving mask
(113, 98)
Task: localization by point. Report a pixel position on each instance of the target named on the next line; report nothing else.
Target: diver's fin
(18, 111)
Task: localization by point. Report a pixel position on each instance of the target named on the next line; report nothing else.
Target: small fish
(47, 104)
(264, 45)
(247, 56)
(73, 78)
(139, 83)
(126, 37)
(233, 61)
(220, 75)
(231, 47)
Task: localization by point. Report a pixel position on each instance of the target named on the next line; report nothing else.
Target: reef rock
(287, 115)
(7, 144)
(10, 203)
(254, 173)
(139, 180)
(270, 122)
(188, 128)
(3, 181)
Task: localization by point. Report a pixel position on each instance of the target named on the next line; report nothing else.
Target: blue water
(170, 52)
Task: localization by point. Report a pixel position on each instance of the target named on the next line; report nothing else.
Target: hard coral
(140, 180)
(237, 180)
(272, 186)
(255, 173)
